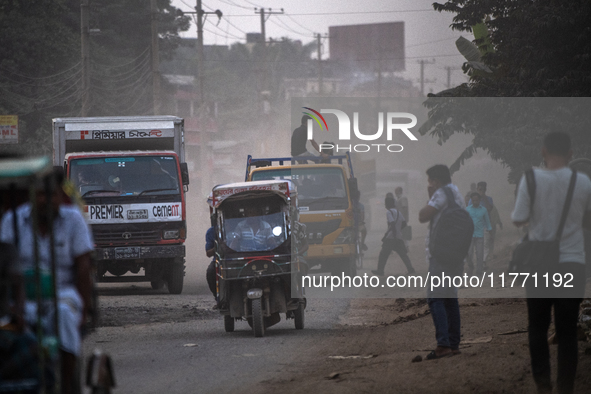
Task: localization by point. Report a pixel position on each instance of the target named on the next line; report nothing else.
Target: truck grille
(108, 236)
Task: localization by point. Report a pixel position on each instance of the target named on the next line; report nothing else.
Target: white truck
(132, 176)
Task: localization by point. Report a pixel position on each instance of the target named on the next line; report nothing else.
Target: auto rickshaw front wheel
(258, 321)
(229, 323)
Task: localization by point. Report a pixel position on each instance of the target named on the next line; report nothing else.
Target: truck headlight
(170, 234)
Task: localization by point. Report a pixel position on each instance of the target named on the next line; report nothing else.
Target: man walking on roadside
(549, 196)
(401, 202)
(479, 216)
(443, 301)
(402, 206)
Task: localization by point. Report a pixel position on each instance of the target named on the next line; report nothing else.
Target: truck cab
(134, 199)
(326, 206)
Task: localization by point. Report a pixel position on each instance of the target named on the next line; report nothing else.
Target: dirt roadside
(372, 352)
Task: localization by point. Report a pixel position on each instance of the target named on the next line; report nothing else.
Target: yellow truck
(327, 189)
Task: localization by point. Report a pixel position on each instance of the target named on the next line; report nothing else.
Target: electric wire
(220, 35)
(41, 78)
(343, 13)
(55, 104)
(37, 83)
(139, 69)
(229, 2)
(231, 24)
(58, 94)
(286, 27)
(124, 64)
(299, 24)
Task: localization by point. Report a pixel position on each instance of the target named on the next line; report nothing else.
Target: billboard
(369, 47)
(8, 129)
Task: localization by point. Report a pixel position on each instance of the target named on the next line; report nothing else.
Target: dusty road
(176, 344)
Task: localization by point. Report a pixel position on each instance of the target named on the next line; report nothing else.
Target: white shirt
(551, 189)
(72, 236)
(395, 216)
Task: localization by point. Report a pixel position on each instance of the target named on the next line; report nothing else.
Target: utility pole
(155, 58)
(200, 55)
(449, 69)
(422, 79)
(85, 52)
(262, 13)
(264, 16)
(320, 75)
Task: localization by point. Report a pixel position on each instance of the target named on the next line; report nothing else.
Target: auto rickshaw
(18, 177)
(258, 264)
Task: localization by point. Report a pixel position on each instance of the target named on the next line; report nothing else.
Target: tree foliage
(40, 60)
(121, 82)
(540, 48)
(39, 63)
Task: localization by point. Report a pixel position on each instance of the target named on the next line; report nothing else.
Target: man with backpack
(557, 204)
(450, 235)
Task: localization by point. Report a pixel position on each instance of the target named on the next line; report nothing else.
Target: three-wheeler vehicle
(257, 265)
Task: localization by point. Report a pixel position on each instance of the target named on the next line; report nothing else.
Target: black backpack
(450, 239)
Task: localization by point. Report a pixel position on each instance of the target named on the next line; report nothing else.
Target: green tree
(538, 49)
(40, 67)
(121, 81)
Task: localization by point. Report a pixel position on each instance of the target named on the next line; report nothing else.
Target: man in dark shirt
(299, 138)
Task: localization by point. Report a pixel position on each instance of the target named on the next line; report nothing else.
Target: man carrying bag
(392, 240)
(556, 203)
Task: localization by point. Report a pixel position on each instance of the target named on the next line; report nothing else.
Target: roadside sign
(8, 129)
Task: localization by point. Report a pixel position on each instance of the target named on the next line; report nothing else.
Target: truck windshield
(125, 175)
(318, 188)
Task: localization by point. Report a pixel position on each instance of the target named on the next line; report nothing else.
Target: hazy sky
(427, 34)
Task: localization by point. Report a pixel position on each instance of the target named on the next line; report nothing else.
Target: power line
(299, 24)
(430, 42)
(228, 35)
(126, 74)
(286, 27)
(229, 2)
(41, 78)
(231, 24)
(144, 52)
(330, 60)
(256, 5)
(345, 13)
(14, 82)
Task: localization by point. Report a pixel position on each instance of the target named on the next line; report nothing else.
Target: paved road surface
(149, 353)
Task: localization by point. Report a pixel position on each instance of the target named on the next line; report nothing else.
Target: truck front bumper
(140, 252)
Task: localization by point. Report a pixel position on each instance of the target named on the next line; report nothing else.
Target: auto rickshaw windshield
(253, 230)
